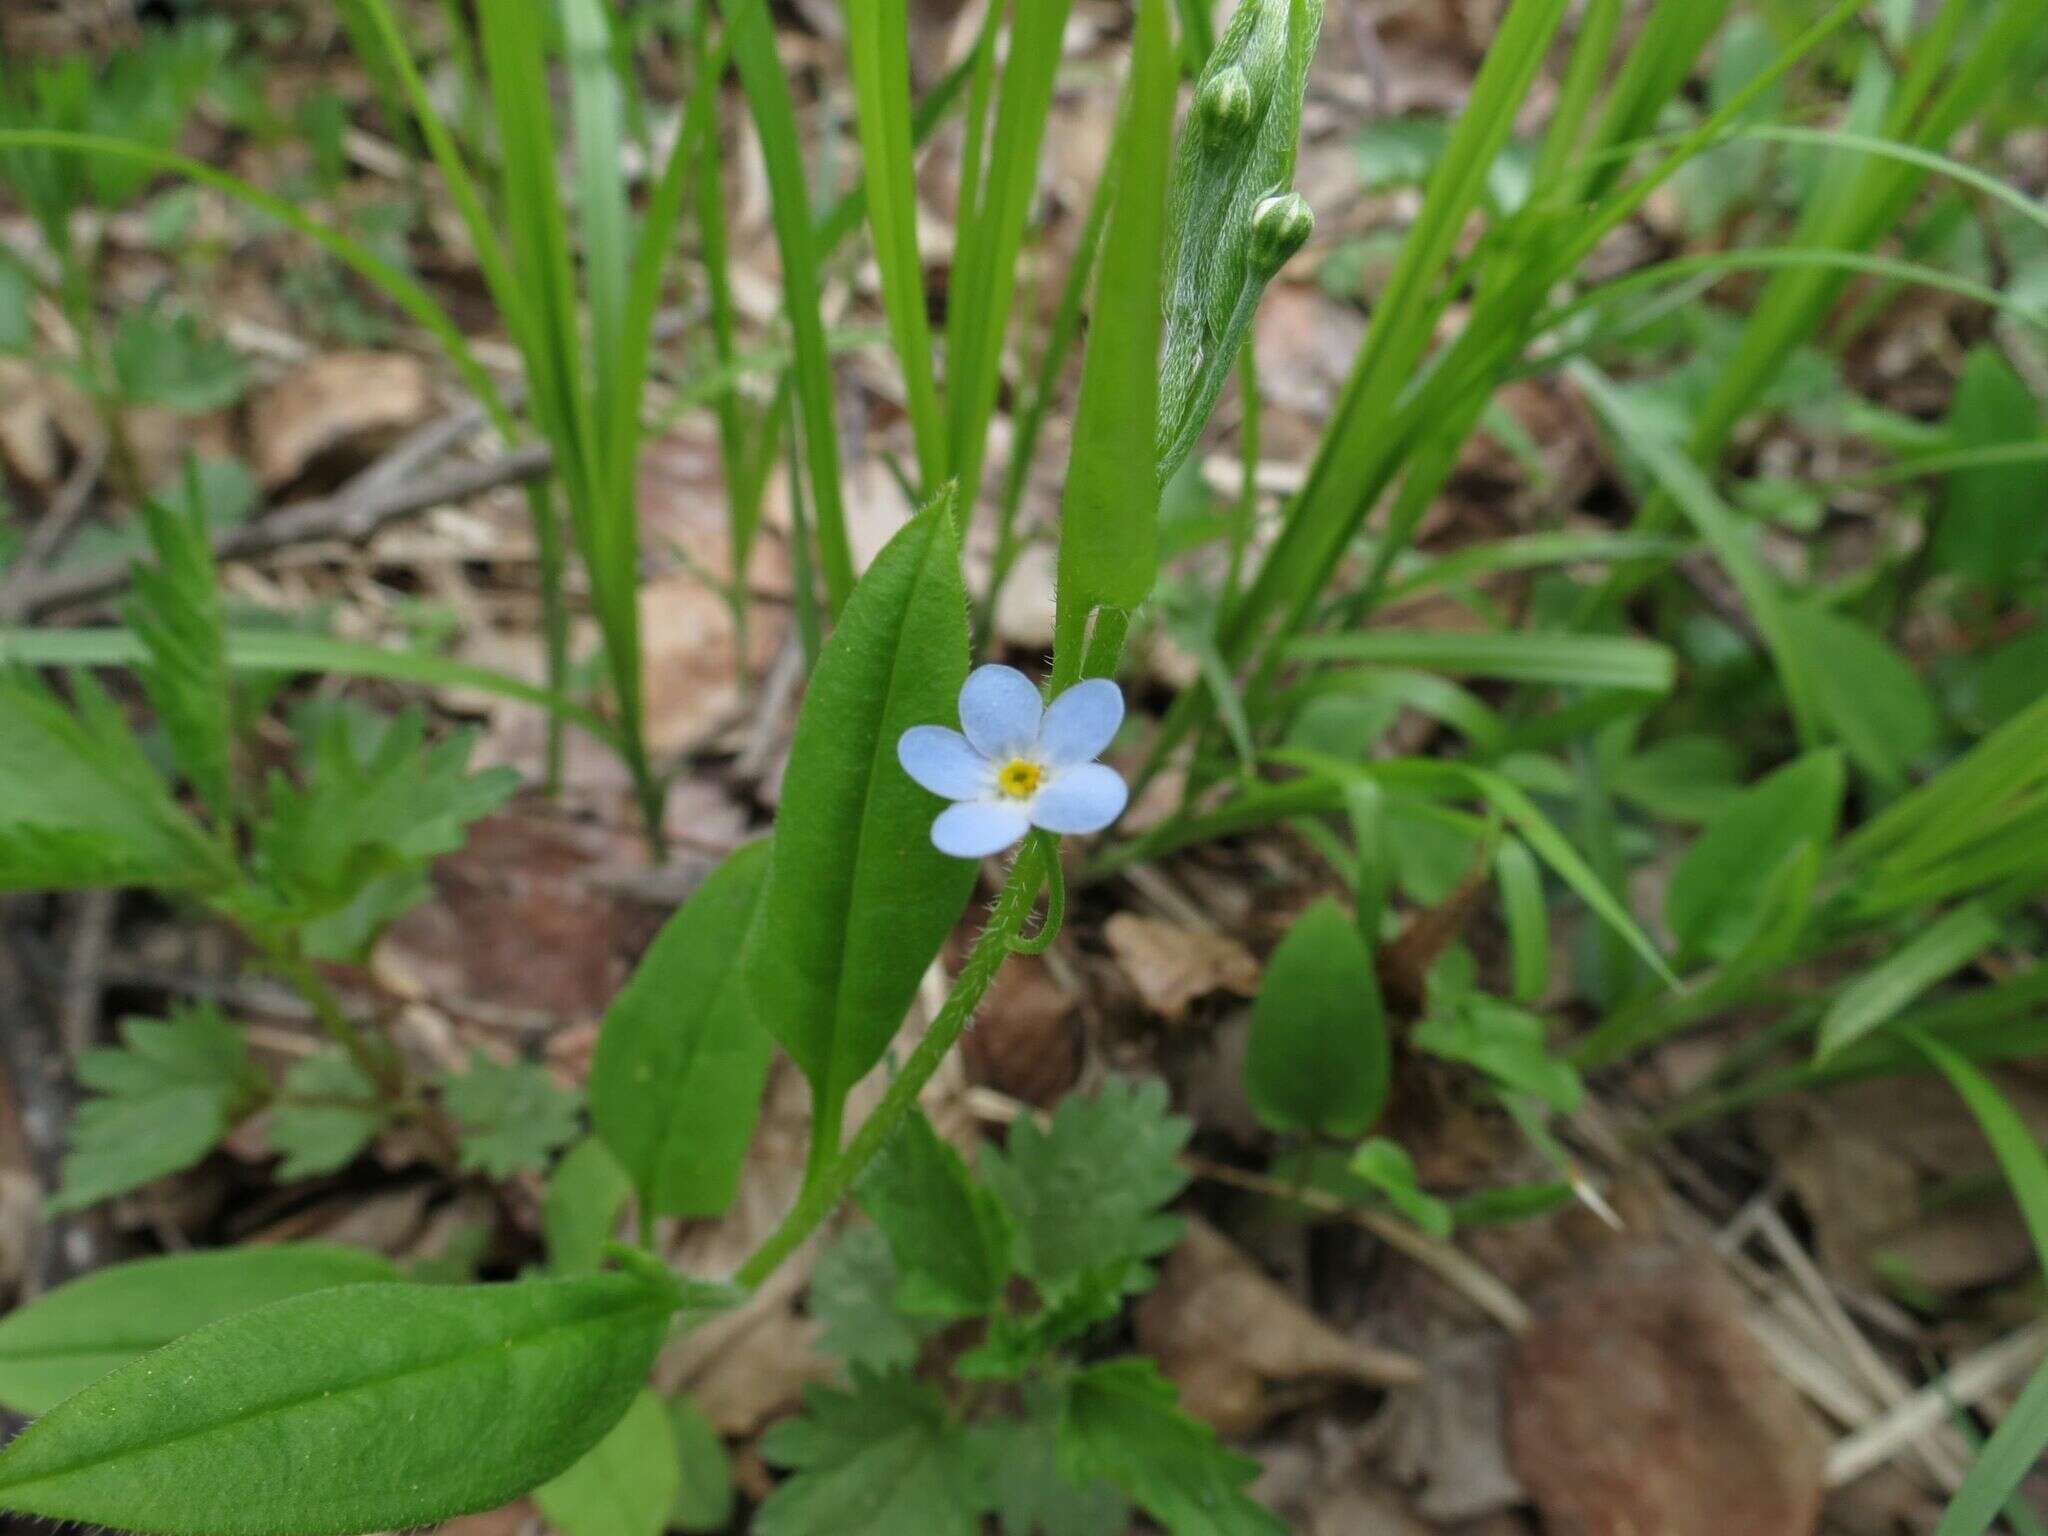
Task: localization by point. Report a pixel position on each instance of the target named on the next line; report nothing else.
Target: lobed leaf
(948, 1236)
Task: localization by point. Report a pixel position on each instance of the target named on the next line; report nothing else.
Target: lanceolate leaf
(677, 1079)
(81, 1331)
(858, 900)
(1714, 901)
(370, 1407)
(1109, 516)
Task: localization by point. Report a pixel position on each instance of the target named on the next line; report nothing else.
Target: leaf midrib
(269, 1410)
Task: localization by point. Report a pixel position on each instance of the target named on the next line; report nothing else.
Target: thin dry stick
(343, 516)
(52, 532)
(1464, 1274)
(1964, 1383)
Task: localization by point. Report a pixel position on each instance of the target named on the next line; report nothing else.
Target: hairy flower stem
(831, 1181)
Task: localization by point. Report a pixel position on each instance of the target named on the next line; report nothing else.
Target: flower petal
(975, 828)
(943, 762)
(1081, 722)
(999, 711)
(1085, 798)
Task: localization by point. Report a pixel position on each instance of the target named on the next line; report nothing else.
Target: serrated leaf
(369, 1407)
(175, 611)
(858, 900)
(1032, 1496)
(587, 1193)
(1715, 894)
(80, 802)
(853, 1297)
(163, 1099)
(161, 358)
(1318, 1056)
(373, 798)
(675, 1086)
(948, 1236)
(1119, 1423)
(1087, 1193)
(326, 1112)
(1504, 1042)
(76, 1334)
(880, 1460)
(512, 1116)
(625, 1485)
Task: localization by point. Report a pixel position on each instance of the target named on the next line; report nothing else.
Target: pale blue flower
(1019, 764)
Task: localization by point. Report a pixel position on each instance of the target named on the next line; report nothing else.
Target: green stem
(375, 1058)
(823, 1191)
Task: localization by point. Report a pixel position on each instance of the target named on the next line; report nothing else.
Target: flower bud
(1225, 102)
(1280, 227)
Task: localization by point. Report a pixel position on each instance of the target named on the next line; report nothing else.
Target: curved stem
(822, 1193)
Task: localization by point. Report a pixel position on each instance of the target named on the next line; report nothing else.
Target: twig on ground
(346, 516)
(52, 532)
(1964, 1383)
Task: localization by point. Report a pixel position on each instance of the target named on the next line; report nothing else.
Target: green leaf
(1984, 531)
(675, 1086)
(853, 1297)
(1527, 917)
(1387, 1167)
(374, 799)
(587, 1193)
(1866, 695)
(1236, 152)
(1681, 778)
(1584, 661)
(165, 359)
(511, 1115)
(880, 1460)
(878, 47)
(948, 1236)
(79, 1332)
(2013, 1451)
(1119, 1423)
(1318, 1058)
(16, 294)
(1109, 513)
(176, 613)
(164, 1098)
(81, 805)
(1888, 987)
(1032, 1495)
(858, 900)
(326, 1112)
(625, 1485)
(704, 1494)
(2019, 1154)
(1505, 1043)
(1087, 1191)
(1716, 891)
(750, 34)
(370, 1407)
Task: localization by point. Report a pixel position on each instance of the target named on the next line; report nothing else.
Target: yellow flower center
(1019, 778)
